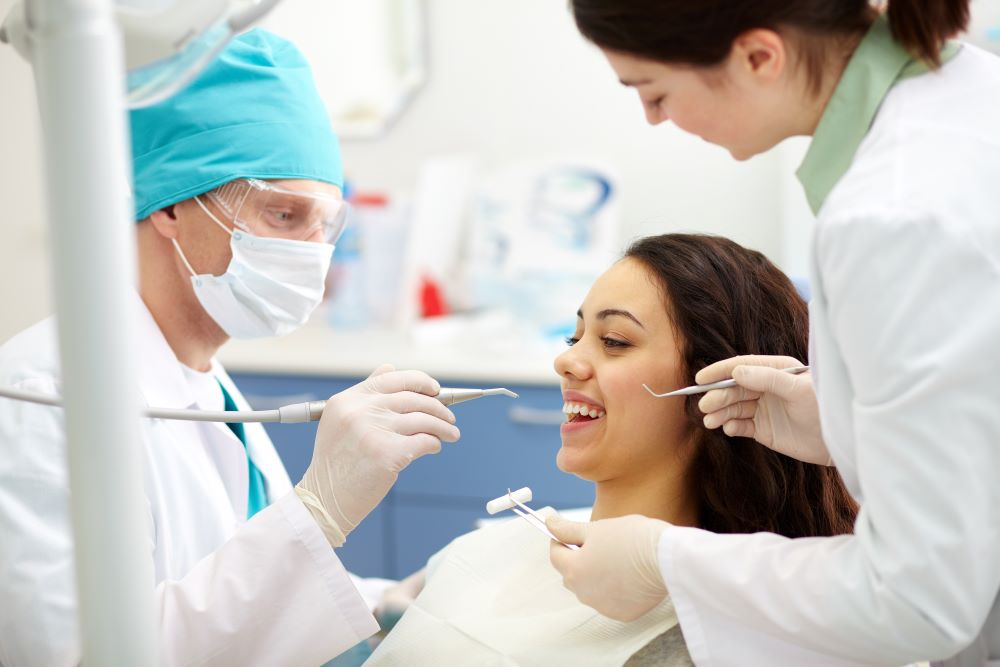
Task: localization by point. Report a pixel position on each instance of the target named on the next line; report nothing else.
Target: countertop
(452, 349)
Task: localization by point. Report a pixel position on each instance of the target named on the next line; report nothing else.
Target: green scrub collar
(877, 64)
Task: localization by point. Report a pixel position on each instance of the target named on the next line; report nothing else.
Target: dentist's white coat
(905, 341)
(269, 591)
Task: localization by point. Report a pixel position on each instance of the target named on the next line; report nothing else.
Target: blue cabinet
(505, 443)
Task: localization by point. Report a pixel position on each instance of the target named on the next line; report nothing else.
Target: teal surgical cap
(252, 113)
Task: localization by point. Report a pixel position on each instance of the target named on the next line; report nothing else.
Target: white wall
(24, 267)
(514, 78)
(507, 79)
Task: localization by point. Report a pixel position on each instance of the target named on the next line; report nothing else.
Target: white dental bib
(493, 599)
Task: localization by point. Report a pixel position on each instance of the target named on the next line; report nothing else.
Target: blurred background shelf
(318, 350)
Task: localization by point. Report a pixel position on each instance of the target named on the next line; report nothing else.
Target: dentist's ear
(165, 222)
(760, 54)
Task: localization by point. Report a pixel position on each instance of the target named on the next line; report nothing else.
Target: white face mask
(270, 288)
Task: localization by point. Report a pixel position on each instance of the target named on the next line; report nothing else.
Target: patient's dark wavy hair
(725, 300)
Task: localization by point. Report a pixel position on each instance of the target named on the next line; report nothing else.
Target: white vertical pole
(79, 72)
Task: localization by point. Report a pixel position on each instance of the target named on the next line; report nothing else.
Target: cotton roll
(504, 502)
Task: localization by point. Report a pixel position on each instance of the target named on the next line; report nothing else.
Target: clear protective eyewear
(268, 210)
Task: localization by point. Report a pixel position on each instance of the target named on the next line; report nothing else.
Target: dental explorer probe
(286, 414)
(724, 384)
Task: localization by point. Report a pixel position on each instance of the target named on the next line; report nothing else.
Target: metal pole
(79, 73)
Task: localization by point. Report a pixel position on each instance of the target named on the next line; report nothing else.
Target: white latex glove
(616, 571)
(776, 409)
(367, 435)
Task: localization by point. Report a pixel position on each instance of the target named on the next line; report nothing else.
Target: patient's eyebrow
(634, 83)
(613, 312)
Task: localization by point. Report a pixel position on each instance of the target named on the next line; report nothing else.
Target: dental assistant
(903, 173)
(237, 196)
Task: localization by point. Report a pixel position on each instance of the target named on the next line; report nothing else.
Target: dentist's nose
(655, 116)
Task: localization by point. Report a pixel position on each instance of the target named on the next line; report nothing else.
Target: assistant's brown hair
(725, 300)
(701, 33)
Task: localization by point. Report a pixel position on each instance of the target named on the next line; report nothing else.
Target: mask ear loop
(177, 246)
(211, 215)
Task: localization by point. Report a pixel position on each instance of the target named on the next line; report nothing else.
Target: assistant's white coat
(905, 351)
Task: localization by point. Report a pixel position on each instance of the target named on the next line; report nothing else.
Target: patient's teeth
(582, 409)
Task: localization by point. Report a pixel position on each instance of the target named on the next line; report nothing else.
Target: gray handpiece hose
(295, 413)
(312, 411)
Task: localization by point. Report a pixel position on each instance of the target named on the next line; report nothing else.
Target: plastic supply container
(384, 236)
(346, 305)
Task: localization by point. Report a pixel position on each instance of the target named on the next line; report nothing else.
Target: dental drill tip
(451, 395)
(500, 392)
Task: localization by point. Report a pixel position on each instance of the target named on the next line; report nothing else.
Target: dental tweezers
(535, 519)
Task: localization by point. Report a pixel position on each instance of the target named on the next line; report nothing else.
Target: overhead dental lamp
(166, 43)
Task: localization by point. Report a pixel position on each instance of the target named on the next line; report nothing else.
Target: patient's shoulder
(665, 650)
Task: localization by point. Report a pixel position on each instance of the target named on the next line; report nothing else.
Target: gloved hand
(776, 409)
(367, 435)
(617, 569)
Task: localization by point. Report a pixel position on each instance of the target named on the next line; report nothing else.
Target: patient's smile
(581, 411)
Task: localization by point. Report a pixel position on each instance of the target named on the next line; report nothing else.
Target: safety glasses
(269, 210)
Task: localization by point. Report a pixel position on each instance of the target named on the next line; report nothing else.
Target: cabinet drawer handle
(536, 416)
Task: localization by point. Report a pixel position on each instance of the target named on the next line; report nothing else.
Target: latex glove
(397, 598)
(617, 569)
(776, 409)
(367, 435)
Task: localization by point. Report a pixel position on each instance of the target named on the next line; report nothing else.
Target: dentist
(237, 195)
(902, 173)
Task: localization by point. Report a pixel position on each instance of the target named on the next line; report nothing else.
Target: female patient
(674, 304)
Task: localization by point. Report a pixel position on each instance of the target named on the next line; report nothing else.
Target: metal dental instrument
(724, 384)
(286, 414)
(511, 502)
(450, 396)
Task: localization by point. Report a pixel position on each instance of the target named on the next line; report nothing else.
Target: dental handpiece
(294, 413)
